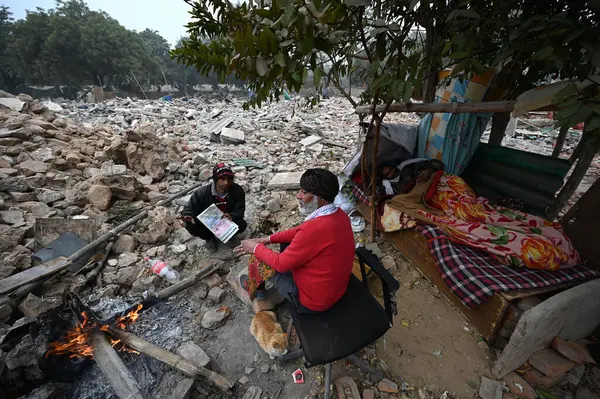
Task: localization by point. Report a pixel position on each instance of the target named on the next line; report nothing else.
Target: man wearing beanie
(228, 196)
(314, 270)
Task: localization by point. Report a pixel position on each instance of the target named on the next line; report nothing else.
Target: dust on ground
(431, 345)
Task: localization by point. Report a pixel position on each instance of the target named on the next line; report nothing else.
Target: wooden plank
(35, 273)
(488, 106)
(117, 374)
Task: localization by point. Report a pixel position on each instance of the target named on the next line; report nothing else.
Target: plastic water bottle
(159, 267)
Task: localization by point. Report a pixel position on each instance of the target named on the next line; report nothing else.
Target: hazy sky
(168, 17)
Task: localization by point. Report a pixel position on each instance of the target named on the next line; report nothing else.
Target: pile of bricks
(548, 367)
(511, 317)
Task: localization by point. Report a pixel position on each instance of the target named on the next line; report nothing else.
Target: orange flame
(75, 343)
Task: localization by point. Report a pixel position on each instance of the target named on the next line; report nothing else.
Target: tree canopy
(396, 47)
(72, 45)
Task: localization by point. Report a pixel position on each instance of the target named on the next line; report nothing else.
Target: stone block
(194, 353)
(572, 351)
(310, 140)
(551, 363)
(213, 280)
(233, 281)
(232, 136)
(285, 181)
(253, 393)
(216, 294)
(571, 314)
(490, 389)
(519, 386)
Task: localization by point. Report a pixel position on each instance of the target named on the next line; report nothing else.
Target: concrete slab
(232, 136)
(571, 315)
(310, 140)
(285, 181)
(13, 103)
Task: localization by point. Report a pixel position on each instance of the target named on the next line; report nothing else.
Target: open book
(221, 227)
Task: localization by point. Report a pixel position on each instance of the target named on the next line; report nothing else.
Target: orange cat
(268, 333)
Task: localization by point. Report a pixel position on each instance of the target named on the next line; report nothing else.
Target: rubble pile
(102, 164)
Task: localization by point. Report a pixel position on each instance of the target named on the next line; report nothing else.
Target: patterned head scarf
(320, 182)
(222, 171)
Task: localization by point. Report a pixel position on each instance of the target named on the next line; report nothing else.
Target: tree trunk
(431, 84)
(373, 200)
(588, 153)
(577, 151)
(560, 141)
(499, 123)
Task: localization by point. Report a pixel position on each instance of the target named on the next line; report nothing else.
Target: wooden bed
(487, 317)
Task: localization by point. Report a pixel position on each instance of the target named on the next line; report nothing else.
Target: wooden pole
(138, 83)
(560, 141)
(188, 282)
(118, 375)
(178, 362)
(373, 199)
(490, 106)
(588, 152)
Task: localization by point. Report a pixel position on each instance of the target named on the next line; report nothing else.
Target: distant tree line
(71, 45)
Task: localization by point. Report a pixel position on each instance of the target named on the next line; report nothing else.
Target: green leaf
(261, 66)
(464, 13)
(447, 47)
(593, 124)
(535, 230)
(306, 45)
(317, 77)
(543, 53)
(250, 41)
(407, 92)
(280, 60)
(374, 68)
(264, 42)
(569, 90)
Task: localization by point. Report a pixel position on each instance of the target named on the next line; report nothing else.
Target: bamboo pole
(176, 361)
(490, 106)
(186, 283)
(118, 375)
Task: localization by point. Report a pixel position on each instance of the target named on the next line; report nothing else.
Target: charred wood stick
(118, 375)
(166, 293)
(176, 361)
(96, 272)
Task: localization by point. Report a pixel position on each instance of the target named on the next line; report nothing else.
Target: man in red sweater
(314, 270)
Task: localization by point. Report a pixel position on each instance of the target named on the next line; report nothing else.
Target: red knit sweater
(320, 257)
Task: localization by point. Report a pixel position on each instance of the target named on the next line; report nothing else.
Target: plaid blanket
(474, 275)
(360, 195)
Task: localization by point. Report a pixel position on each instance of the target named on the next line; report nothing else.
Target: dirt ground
(431, 345)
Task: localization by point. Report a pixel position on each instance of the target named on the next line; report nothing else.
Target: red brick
(572, 351)
(537, 379)
(519, 386)
(513, 314)
(550, 362)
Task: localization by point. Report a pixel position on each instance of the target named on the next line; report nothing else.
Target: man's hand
(247, 246)
(184, 219)
(227, 216)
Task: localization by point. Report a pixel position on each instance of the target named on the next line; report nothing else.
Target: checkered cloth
(474, 275)
(360, 195)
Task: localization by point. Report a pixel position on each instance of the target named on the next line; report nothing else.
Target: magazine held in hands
(221, 227)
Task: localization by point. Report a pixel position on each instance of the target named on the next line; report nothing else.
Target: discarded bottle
(159, 267)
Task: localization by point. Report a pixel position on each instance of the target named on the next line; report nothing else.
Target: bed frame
(487, 317)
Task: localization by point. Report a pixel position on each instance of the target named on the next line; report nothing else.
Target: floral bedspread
(515, 238)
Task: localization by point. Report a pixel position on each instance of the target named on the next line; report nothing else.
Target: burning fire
(75, 343)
